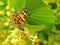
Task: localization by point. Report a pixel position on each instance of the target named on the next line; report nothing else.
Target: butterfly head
(24, 10)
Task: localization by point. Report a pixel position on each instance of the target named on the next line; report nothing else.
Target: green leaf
(38, 13)
(39, 16)
(34, 4)
(33, 29)
(17, 4)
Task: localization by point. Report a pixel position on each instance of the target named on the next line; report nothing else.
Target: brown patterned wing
(18, 20)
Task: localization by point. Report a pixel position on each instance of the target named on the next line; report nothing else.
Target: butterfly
(18, 18)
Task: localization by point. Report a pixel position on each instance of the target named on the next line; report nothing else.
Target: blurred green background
(49, 11)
